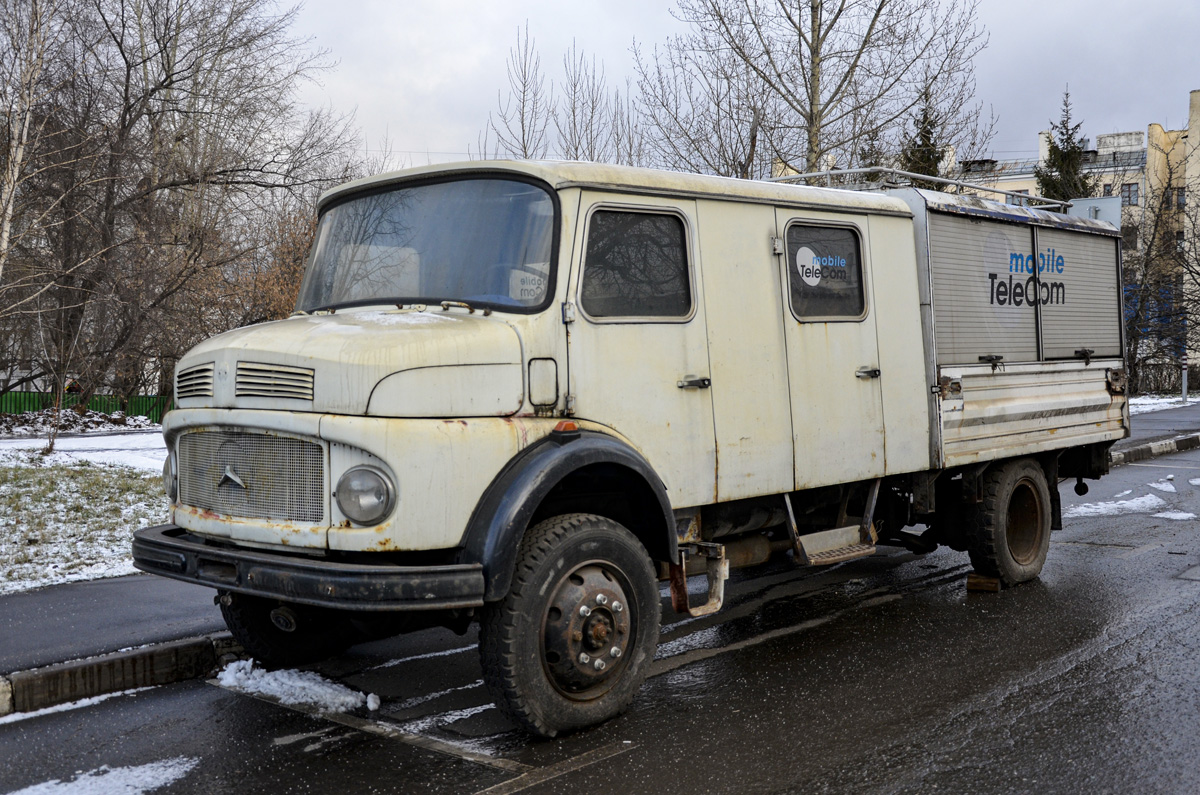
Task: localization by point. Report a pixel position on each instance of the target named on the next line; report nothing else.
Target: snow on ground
(14, 717)
(1178, 516)
(141, 450)
(1163, 485)
(1150, 502)
(1144, 403)
(294, 687)
(71, 515)
(106, 780)
(47, 421)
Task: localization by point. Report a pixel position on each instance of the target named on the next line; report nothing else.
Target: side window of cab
(636, 267)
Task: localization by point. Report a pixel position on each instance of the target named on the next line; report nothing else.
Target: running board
(839, 544)
(834, 546)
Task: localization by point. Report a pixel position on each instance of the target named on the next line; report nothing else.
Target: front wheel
(571, 643)
(1010, 531)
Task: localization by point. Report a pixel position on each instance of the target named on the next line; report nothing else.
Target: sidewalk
(56, 625)
(83, 619)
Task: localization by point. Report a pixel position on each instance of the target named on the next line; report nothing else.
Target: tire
(1010, 530)
(552, 667)
(317, 633)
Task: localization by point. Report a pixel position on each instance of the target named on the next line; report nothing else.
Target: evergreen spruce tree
(922, 150)
(1062, 175)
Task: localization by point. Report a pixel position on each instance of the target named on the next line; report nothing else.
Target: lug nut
(618, 607)
(599, 665)
(585, 611)
(615, 652)
(601, 599)
(584, 659)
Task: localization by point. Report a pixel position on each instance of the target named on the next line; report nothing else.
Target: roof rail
(909, 175)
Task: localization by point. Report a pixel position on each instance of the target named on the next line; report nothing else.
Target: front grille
(273, 381)
(194, 382)
(281, 478)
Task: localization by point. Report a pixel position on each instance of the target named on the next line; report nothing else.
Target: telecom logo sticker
(1034, 290)
(813, 268)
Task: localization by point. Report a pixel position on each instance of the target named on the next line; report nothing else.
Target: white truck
(522, 393)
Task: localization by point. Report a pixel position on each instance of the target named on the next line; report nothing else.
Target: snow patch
(83, 702)
(290, 687)
(1163, 485)
(444, 718)
(107, 780)
(1145, 504)
(703, 639)
(1178, 516)
(425, 656)
(1146, 403)
(401, 318)
(417, 700)
(372, 702)
(141, 451)
(1194, 481)
(1130, 491)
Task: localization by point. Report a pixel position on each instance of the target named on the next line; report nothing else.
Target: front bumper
(169, 550)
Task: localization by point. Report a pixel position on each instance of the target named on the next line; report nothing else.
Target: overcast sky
(426, 74)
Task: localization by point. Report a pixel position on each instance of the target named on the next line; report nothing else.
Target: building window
(1129, 238)
(636, 266)
(1179, 241)
(1180, 198)
(1129, 194)
(1017, 200)
(1108, 189)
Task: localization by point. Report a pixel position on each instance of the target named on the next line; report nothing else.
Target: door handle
(691, 382)
(867, 372)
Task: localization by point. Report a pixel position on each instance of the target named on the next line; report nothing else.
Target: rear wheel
(1010, 531)
(571, 643)
(283, 634)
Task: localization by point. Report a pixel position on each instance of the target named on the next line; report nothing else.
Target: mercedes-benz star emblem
(230, 477)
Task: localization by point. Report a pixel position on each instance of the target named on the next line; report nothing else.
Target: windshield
(485, 242)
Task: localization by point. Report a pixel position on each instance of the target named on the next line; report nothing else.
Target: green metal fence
(152, 406)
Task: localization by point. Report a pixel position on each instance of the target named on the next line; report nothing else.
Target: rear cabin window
(825, 273)
(636, 266)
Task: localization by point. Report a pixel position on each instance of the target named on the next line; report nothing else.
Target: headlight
(365, 495)
(170, 480)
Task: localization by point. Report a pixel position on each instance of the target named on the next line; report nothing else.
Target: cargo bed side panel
(989, 414)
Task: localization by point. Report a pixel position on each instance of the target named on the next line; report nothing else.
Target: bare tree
(706, 110)
(522, 120)
(583, 116)
(844, 68)
(167, 138)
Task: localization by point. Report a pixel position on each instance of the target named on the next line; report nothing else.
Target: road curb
(1154, 449)
(146, 666)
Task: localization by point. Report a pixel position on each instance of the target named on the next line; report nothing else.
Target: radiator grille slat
(273, 381)
(281, 478)
(194, 382)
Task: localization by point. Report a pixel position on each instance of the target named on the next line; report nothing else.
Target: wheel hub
(587, 630)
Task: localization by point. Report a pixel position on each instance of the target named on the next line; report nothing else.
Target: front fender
(503, 514)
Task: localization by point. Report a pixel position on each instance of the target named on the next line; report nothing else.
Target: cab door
(834, 371)
(637, 347)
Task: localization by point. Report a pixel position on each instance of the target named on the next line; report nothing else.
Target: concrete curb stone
(1154, 449)
(157, 664)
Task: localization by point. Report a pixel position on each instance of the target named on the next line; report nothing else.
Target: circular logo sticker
(808, 266)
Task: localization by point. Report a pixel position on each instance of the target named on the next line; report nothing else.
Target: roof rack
(1024, 198)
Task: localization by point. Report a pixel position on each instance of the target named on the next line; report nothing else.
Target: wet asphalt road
(880, 675)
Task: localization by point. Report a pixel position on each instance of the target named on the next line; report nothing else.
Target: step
(841, 555)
